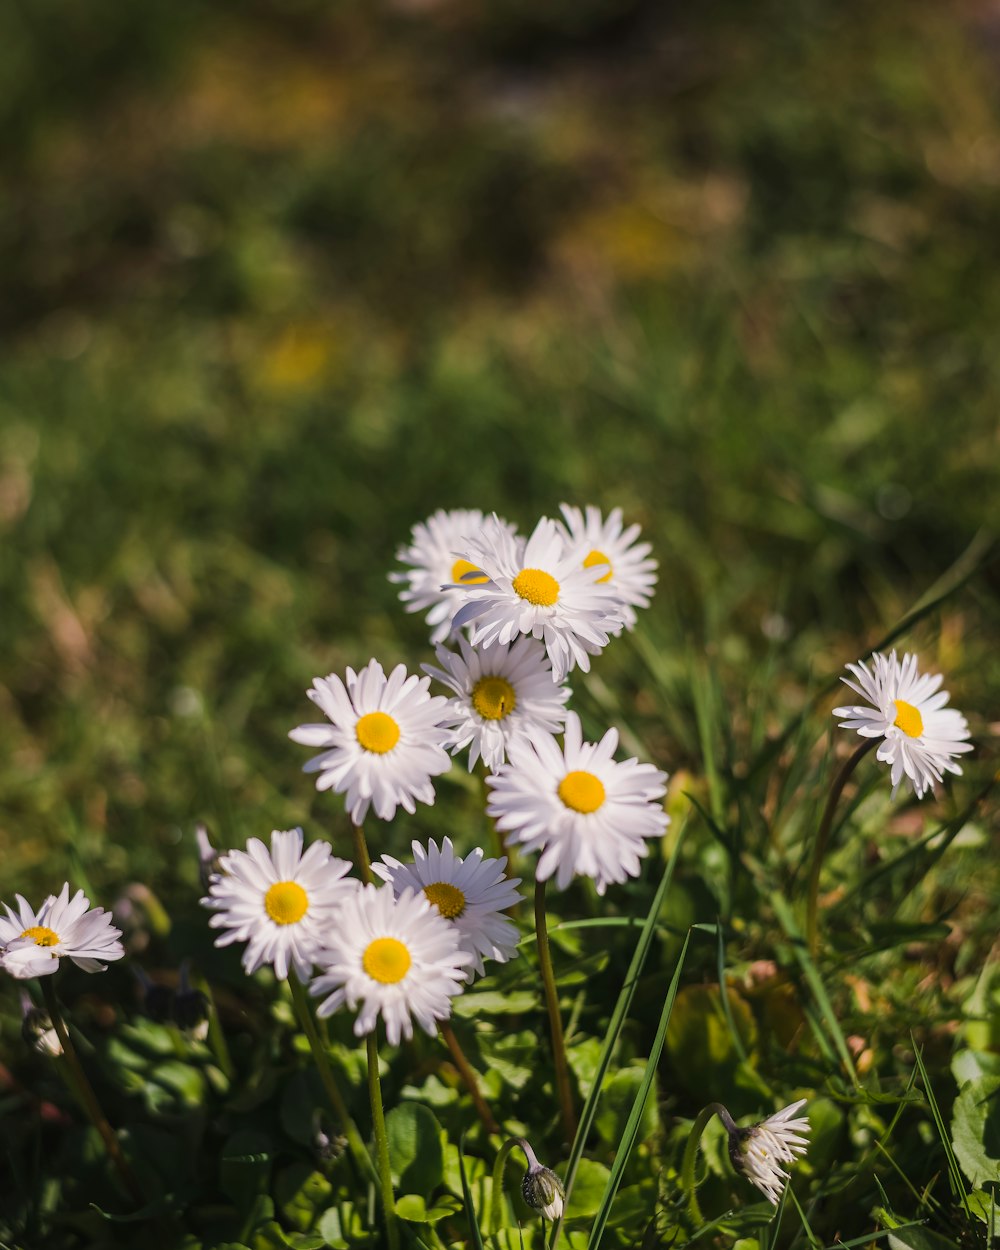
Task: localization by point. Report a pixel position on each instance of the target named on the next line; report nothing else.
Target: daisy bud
(542, 1190)
(209, 861)
(157, 1000)
(191, 1008)
(37, 1029)
(328, 1146)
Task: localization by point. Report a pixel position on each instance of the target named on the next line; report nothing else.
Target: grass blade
(625, 1146)
(954, 1171)
(470, 1207)
(642, 948)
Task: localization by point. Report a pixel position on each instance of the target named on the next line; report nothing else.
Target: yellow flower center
(493, 698)
(581, 791)
(377, 732)
(448, 899)
(41, 936)
(386, 960)
(908, 719)
(598, 557)
(537, 586)
(461, 567)
(286, 902)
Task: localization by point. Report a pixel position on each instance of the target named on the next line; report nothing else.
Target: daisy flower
(436, 562)
(471, 893)
(587, 815)
(757, 1151)
(280, 902)
(502, 693)
(32, 943)
(384, 743)
(920, 735)
(396, 956)
(629, 572)
(541, 590)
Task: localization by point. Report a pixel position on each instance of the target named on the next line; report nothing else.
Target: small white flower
(758, 1151)
(397, 956)
(921, 735)
(503, 693)
(471, 893)
(280, 902)
(630, 573)
(541, 589)
(587, 814)
(435, 559)
(384, 743)
(31, 944)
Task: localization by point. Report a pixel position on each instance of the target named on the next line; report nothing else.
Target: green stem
(361, 854)
(303, 1011)
(381, 1142)
(468, 1077)
(85, 1093)
(217, 1036)
(691, 1150)
(563, 1087)
(496, 1192)
(823, 837)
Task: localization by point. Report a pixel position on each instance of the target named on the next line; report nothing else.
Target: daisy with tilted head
(472, 893)
(384, 741)
(395, 956)
(32, 943)
(541, 589)
(920, 736)
(435, 560)
(280, 902)
(587, 815)
(758, 1151)
(628, 571)
(501, 693)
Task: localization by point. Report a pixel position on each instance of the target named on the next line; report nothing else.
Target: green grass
(282, 280)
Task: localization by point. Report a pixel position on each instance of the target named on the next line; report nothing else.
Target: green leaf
(591, 1182)
(968, 1065)
(415, 1151)
(617, 1099)
(245, 1167)
(413, 1209)
(495, 1003)
(919, 1239)
(975, 1130)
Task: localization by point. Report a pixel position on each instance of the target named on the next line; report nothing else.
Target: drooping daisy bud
(542, 1190)
(191, 1008)
(327, 1145)
(37, 1029)
(757, 1151)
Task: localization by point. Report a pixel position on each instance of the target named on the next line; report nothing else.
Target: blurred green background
(282, 278)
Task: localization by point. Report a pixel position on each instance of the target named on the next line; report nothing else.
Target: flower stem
(468, 1076)
(691, 1151)
(305, 1016)
(496, 1191)
(381, 1142)
(823, 837)
(85, 1092)
(555, 1021)
(361, 854)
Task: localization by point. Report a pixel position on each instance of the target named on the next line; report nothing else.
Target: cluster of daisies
(511, 617)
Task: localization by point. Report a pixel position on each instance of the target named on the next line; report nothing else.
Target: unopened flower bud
(542, 1190)
(209, 861)
(329, 1146)
(191, 1008)
(37, 1029)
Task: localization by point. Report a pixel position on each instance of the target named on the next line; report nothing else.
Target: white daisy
(630, 573)
(502, 693)
(586, 814)
(397, 956)
(921, 736)
(541, 590)
(32, 943)
(435, 559)
(280, 902)
(757, 1151)
(471, 893)
(384, 744)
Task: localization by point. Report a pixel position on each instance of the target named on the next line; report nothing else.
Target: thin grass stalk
(303, 1011)
(822, 839)
(563, 1088)
(381, 1143)
(85, 1092)
(468, 1076)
